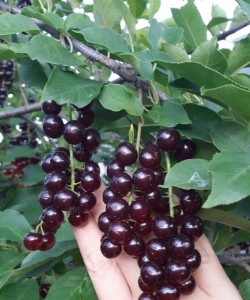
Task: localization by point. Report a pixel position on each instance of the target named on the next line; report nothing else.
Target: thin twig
(225, 34)
(20, 111)
(234, 260)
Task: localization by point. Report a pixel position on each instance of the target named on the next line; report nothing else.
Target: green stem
(139, 128)
(71, 157)
(170, 189)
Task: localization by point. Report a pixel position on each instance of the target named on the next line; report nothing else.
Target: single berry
(110, 249)
(185, 149)
(187, 287)
(74, 132)
(33, 241)
(86, 201)
(164, 226)
(103, 222)
(49, 241)
(180, 246)
(77, 219)
(192, 226)
(150, 157)
(126, 154)
(117, 209)
(156, 250)
(64, 200)
(91, 139)
(121, 183)
(193, 259)
(81, 153)
(167, 139)
(53, 126)
(144, 179)
(91, 181)
(191, 202)
(59, 161)
(44, 289)
(135, 246)
(177, 270)
(152, 273)
(114, 167)
(167, 291)
(119, 232)
(45, 198)
(55, 181)
(50, 107)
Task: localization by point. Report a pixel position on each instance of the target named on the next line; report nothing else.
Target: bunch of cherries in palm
(137, 218)
(66, 189)
(6, 79)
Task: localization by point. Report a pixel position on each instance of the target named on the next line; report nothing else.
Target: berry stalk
(170, 189)
(71, 156)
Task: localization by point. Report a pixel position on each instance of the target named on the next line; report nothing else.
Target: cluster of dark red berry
(67, 188)
(17, 166)
(26, 136)
(137, 218)
(6, 79)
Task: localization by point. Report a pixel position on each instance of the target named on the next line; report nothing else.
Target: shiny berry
(117, 209)
(77, 218)
(180, 246)
(187, 287)
(53, 126)
(152, 274)
(144, 179)
(49, 241)
(50, 107)
(150, 157)
(110, 249)
(177, 270)
(167, 291)
(126, 154)
(91, 181)
(193, 259)
(164, 226)
(192, 226)
(167, 139)
(191, 202)
(121, 183)
(33, 241)
(134, 246)
(64, 200)
(119, 232)
(185, 149)
(73, 132)
(55, 181)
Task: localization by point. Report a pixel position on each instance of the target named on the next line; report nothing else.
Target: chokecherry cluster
(66, 188)
(138, 221)
(6, 79)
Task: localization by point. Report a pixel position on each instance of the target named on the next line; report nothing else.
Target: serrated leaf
(189, 18)
(244, 289)
(169, 114)
(217, 24)
(117, 97)
(66, 87)
(189, 174)
(73, 285)
(202, 119)
(30, 208)
(175, 52)
(48, 50)
(36, 263)
(7, 53)
(33, 174)
(13, 226)
(225, 217)
(230, 136)
(235, 185)
(233, 96)
(157, 30)
(239, 56)
(14, 152)
(25, 290)
(27, 67)
(107, 13)
(105, 37)
(11, 24)
(137, 7)
(50, 18)
(208, 55)
(77, 21)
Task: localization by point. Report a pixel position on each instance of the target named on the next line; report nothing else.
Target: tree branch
(124, 70)
(20, 111)
(225, 34)
(234, 260)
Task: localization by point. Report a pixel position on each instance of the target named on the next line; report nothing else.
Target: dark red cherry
(186, 149)
(91, 181)
(147, 296)
(77, 218)
(45, 198)
(191, 202)
(86, 117)
(150, 157)
(167, 139)
(44, 289)
(114, 167)
(192, 226)
(33, 241)
(91, 139)
(49, 241)
(144, 179)
(193, 259)
(52, 217)
(119, 232)
(156, 250)
(117, 209)
(121, 183)
(164, 226)
(103, 222)
(167, 291)
(177, 270)
(59, 161)
(126, 154)
(139, 210)
(53, 126)
(180, 246)
(135, 246)
(145, 287)
(81, 153)
(110, 249)
(86, 201)
(50, 107)
(91, 166)
(109, 194)
(187, 287)
(55, 181)
(74, 132)
(143, 228)
(64, 200)
(152, 274)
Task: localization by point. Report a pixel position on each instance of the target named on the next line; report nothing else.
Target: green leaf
(137, 7)
(151, 9)
(33, 174)
(12, 24)
(245, 6)
(239, 56)
(9, 259)
(202, 119)
(107, 13)
(189, 174)
(30, 208)
(171, 35)
(14, 152)
(230, 136)
(47, 49)
(239, 237)
(169, 114)
(105, 37)
(242, 79)
(77, 21)
(64, 233)
(129, 19)
(189, 18)
(175, 52)
(38, 262)
(13, 226)
(117, 97)
(73, 285)
(208, 55)
(244, 289)
(50, 18)
(66, 87)
(231, 174)
(233, 96)
(7, 53)
(225, 217)
(131, 134)
(24, 290)
(219, 18)
(27, 67)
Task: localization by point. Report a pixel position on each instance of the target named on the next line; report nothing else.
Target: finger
(128, 265)
(106, 275)
(210, 276)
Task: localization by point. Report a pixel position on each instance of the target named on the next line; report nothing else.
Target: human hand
(117, 279)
